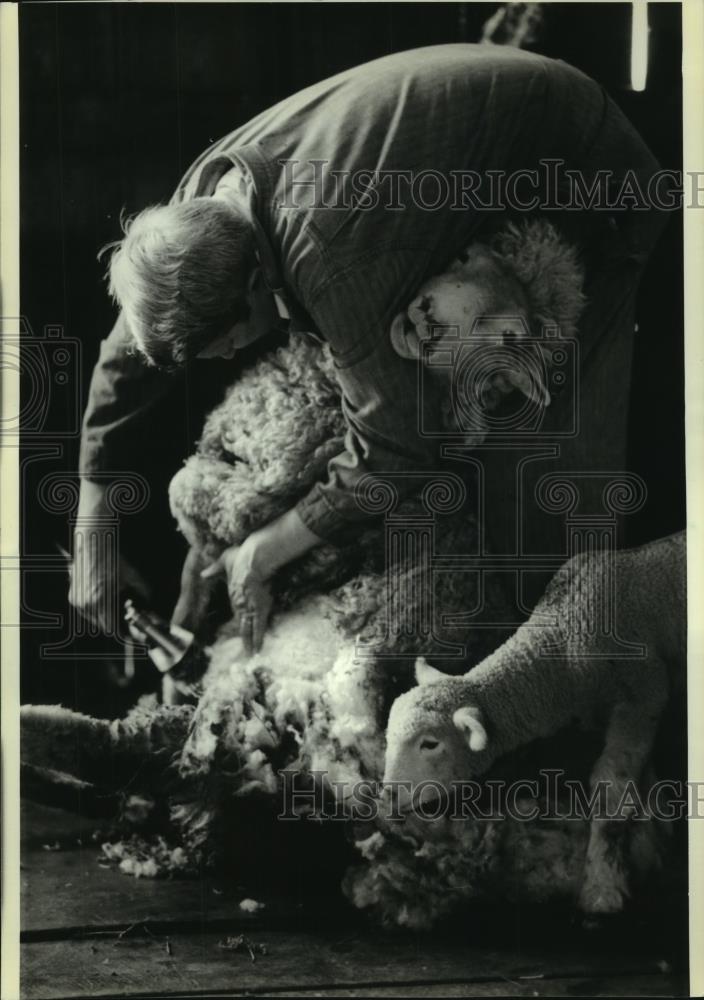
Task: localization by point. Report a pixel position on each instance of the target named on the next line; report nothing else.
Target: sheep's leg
(57, 739)
(62, 791)
(629, 741)
(190, 611)
(96, 750)
(196, 592)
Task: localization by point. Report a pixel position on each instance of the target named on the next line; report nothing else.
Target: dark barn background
(117, 99)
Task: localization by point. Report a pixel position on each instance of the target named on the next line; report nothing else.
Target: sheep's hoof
(599, 923)
(598, 898)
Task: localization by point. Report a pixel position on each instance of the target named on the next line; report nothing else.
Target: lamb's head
(435, 737)
(477, 305)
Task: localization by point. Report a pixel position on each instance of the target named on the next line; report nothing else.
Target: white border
(693, 83)
(9, 502)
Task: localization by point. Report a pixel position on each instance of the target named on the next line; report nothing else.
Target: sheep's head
(434, 738)
(477, 306)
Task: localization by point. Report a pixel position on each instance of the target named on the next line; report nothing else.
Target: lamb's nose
(424, 304)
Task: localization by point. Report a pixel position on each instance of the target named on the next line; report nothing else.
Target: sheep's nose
(396, 798)
(424, 303)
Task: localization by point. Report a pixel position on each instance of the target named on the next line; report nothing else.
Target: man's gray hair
(180, 277)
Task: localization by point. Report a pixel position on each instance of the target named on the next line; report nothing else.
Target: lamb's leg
(629, 741)
(649, 840)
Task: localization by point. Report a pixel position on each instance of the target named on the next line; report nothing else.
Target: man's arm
(94, 583)
(391, 423)
(123, 394)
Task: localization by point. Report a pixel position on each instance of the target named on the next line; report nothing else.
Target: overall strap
(211, 173)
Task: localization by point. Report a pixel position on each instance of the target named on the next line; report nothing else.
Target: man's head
(184, 276)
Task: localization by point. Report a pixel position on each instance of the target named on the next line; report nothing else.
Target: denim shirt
(348, 248)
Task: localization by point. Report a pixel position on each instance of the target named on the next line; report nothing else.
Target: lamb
(557, 668)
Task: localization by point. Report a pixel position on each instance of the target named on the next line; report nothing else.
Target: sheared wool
(415, 884)
(148, 859)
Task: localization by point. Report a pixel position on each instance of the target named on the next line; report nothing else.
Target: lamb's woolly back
(643, 587)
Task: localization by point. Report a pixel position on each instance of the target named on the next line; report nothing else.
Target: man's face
(262, 319)
(226, 346)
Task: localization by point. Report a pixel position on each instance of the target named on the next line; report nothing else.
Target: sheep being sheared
(559, 668)
(345, 633)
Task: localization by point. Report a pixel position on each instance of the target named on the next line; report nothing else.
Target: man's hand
(248, 589)
(249, 568)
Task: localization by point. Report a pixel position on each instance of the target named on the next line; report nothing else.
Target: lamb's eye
(429, 744)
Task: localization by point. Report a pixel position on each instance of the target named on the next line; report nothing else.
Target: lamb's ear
(425, 674)
(469, 721)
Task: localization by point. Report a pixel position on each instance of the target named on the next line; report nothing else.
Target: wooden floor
(89, 931)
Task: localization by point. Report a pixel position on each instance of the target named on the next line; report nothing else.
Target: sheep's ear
(425, 674)
(463, 259)
(532, 385)
(531, 380)
(254, 277)
(469, 721)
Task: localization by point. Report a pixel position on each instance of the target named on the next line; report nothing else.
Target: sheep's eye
(429, 744)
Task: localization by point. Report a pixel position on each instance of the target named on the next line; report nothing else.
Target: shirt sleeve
(391, 413)
(124, 393)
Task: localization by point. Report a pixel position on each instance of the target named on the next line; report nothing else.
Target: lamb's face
(423, 746)
(432, 741)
